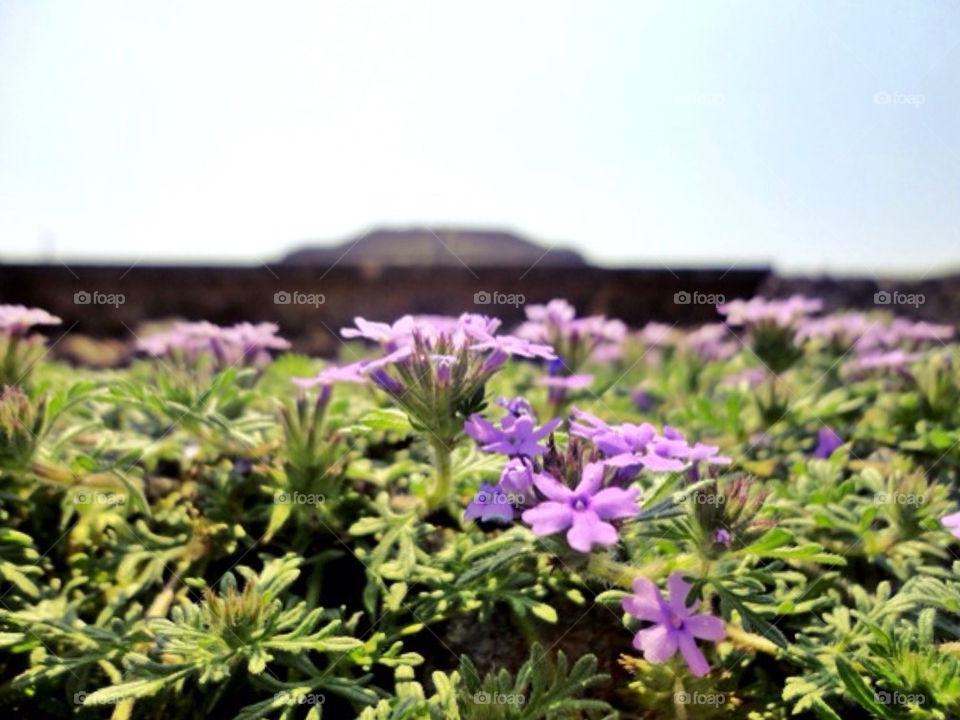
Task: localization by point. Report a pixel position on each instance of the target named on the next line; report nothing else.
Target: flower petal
(691, 653)
(588, 529)
(614, 502)
(646, 602)
(552, 488)
(658, 463)
(590, 479)
(705, 627)
(658, 643)
(678, 589)
(548, 517)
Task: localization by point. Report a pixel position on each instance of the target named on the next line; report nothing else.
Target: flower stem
(755, 642)
(440, 492)
(617, 573)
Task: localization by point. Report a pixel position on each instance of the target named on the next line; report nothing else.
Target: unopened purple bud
(496, 359)
(644, 400)
(323, 397)
(382, 378)
(722, 536)
(443, 374)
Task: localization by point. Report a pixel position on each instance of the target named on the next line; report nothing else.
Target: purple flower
(240, 343)
(645, 401)
(952, 523)
(674, 627)
(896, 360)
(334, 373)
(490, 503)
(248, 342)
(566, 382)
(555, 312)
(509, 344)
(515, 406)
(711, 342)
(762, 310)
(17, 319)
(391, 336)
(574, 338)
(515, 436)
(630, 446)
(827, 442)
(587, 424)
(517, 477)
(751, 377)
(840, 328)
(655, 334)
(583, 510)
(722, 536)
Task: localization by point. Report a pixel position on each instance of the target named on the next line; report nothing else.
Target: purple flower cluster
(574, 338)
(841, 330)
(884, 344)
(549, 505)
(432, 367)
(17, 319)
(710, 342)
(630, 447)
(243, 343)
(517, 434)
(764, 311)
(674, 626)
(584, 511)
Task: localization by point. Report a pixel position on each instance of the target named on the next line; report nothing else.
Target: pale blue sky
(641, 132)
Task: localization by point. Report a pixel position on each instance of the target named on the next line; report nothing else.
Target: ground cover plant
(756, 518)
